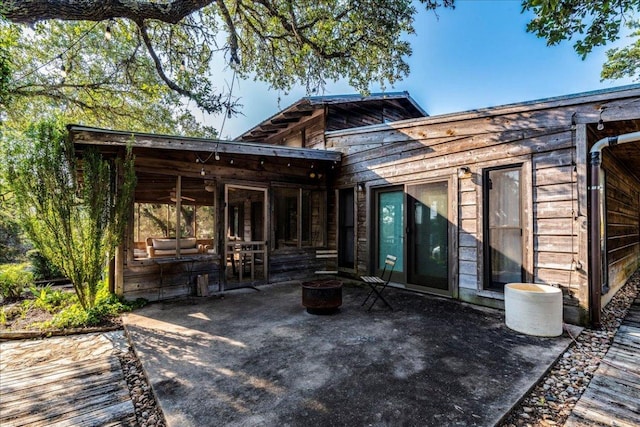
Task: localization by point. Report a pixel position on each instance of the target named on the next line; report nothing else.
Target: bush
(42, 267)
(72, 315)
(13, 279)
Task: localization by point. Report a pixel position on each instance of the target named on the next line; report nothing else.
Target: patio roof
(118, 139)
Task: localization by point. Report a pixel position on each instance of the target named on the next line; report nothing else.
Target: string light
(601, 122)
(59, 56)
(63, 69)
(107, 31)
(202, 172)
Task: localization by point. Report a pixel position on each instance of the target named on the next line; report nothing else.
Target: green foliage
(12, 242)
(624, 61)
(590, 24)
(13, 279)
(42, 268)
(72, 315)
(69, 209)
(163, 54)
(111, 85)
(50, 300)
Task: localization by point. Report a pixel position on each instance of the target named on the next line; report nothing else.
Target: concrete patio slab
(259, 359)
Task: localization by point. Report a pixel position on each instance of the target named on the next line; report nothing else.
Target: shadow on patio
(259, 358)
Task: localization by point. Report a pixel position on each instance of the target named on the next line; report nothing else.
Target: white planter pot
(533, 309)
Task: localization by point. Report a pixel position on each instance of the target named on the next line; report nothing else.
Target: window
(503, 227)
(299, 217)
(155, 214)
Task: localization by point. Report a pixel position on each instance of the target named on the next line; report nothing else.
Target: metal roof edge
(212, 144)
(320, 100)
(489, 111)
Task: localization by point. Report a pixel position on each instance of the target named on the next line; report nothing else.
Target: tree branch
(31, 11)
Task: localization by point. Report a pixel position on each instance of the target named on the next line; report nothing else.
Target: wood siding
(623, 223)
(540, 137)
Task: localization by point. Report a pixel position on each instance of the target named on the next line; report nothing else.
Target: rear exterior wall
(541, 138)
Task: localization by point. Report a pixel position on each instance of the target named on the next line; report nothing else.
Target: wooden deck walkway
(613, 395)
(62, 382)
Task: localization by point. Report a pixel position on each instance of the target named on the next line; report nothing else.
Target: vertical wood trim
(454, 254)
(265, 233)
(119, 271)
(527, 218)
(178, 213)
(478, 178)
(581, 186)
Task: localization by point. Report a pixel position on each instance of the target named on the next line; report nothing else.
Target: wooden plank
(469, 226)
(468, 267)
(563, 244)
(468, 253)
(468, 198)
(467, 239)
(555, 192)
(555, 227)
(38, 376)
(554, 260)
(100, 416)
(468, 212)
(555, 209)
(71, 385)
(467, 281)
(550, 176)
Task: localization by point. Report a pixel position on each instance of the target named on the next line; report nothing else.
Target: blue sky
(478, 55)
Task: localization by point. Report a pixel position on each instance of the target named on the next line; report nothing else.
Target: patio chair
(380, 281)
(328, 257)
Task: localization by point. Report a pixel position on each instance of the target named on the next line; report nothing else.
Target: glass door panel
(390, 210)
(346, 228)
(246, 253)
(428, 235)
(503, 213)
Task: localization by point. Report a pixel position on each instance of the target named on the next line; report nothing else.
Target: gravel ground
(551, 401)
(148, 413)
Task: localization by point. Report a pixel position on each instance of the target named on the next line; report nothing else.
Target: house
(466, 201)
(473, 200)
(233, 213)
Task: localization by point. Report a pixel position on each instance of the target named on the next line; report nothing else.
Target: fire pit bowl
(322, 296)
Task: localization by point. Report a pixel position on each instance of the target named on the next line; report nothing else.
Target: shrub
(43, 269)
(13, 279)
(51, 300)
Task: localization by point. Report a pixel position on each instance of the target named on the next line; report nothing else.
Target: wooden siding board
(556, 230)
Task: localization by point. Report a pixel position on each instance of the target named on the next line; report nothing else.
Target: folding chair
(328, 257)
(375, 281)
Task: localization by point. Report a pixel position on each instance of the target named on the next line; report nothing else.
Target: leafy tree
(90, 81)
(175, 42)
(591, 24)
(12, 244)
(74, 211)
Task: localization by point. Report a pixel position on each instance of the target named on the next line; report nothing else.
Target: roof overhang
(305, 107)
(116, 138)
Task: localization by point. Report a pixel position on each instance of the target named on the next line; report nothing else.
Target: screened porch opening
(159, 230)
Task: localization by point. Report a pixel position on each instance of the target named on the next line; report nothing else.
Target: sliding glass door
(413, 223)
(428, 235)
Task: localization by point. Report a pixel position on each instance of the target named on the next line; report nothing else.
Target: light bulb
(107, 33)
(216, 156)
(202, 172)
(600, 125)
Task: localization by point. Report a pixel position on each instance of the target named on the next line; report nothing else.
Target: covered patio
(211, 215)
